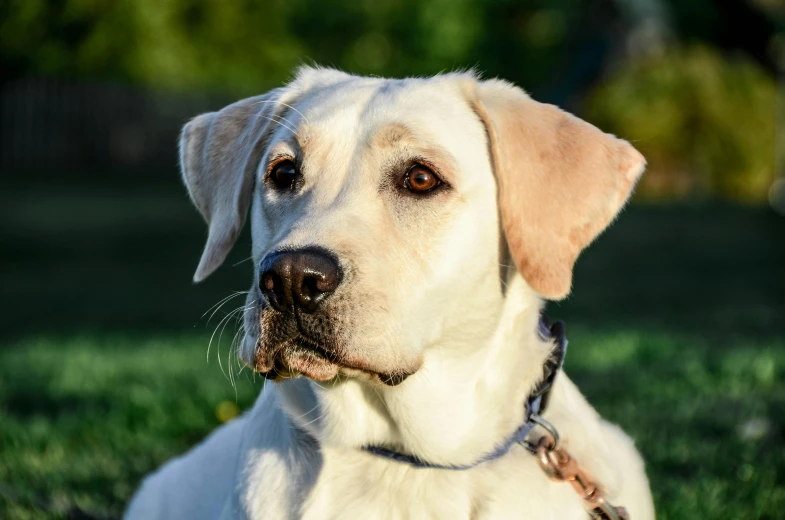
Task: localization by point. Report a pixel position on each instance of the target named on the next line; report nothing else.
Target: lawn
(676, 327)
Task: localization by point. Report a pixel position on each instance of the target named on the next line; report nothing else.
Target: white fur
(296, 453)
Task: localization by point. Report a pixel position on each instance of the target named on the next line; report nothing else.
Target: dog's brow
(288, 146)
(304, 134)
(391, 135)
(398, 135)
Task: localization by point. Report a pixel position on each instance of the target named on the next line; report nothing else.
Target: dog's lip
(300, 355)
(308, 358)
(305, 342)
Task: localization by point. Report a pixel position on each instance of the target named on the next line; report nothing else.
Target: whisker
(223, 321)
(318, 418)
(306, 413)
(238, 314)
(279, 123)
(290, 106)
(230, 364)
(233, 356)
(290, 125)
(221, 304)
(216, 328)
(286, 105)
(235, 345)
(317, 384)
(287, 121)
(242, 261)
(384, 403)
(218, 347)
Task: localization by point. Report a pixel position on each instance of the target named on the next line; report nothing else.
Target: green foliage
(237, 45)
(247, 46)
(705, 122)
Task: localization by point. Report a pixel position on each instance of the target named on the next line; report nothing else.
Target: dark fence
(60, 125)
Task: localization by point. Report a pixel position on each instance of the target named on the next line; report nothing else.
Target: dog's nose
(300, 278)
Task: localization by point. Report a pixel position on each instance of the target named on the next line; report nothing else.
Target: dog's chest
(359, 487)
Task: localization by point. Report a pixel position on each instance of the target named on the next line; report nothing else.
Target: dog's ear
(561, 181)
(219, 155)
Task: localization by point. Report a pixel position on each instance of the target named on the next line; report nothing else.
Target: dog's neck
(468, 396)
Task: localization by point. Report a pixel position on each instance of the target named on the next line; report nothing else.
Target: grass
(677, 331)
(79, 430)
(707, 417)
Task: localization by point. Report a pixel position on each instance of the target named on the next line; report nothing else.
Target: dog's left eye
(283, 175)
(420, 179)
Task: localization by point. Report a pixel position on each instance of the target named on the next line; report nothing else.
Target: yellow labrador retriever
(405, 235)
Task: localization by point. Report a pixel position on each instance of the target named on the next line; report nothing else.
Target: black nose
(300, 278)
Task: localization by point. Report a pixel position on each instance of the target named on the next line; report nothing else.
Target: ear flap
(561, 181)
(219, 156)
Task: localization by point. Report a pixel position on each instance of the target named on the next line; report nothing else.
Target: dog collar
(557, 464)
(535, 405)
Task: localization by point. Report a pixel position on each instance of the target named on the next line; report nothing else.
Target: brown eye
(420, 179)
(284, 175)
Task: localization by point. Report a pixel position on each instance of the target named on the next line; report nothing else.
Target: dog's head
(382, 212)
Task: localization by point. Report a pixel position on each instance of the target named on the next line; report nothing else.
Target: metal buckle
(548, 427)
(551, 429)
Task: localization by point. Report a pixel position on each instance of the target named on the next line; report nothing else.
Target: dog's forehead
(379, 111)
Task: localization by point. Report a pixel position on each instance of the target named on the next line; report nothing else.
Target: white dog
(405, 235)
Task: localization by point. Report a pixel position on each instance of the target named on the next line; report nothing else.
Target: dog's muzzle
(298, 334)
(295, 283)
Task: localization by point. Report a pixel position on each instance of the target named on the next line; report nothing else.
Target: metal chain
(559, 466)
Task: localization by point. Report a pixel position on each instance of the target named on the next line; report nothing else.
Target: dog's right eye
(283, 175)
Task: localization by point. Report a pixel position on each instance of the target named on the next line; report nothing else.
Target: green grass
(79, 430)
(707, 417)
(676, 327)
(83, 418)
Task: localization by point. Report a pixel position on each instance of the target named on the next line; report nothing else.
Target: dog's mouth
(288, 345)
(300, 355)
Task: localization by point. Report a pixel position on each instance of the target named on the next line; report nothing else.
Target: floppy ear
(561, 181)
(219, 156)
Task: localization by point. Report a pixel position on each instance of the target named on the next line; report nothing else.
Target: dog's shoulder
(194, 485)
(244, 468)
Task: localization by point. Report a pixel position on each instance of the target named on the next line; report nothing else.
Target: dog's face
(379, 209)
(373, 198)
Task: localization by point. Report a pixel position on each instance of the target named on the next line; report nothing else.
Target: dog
(405, 236)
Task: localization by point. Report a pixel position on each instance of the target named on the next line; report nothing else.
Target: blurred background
(677, 321)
